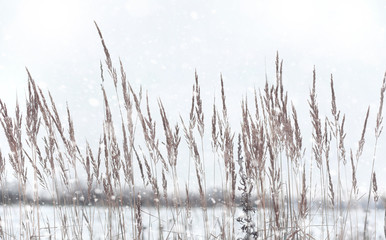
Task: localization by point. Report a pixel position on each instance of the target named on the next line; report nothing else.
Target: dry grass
(265, 179)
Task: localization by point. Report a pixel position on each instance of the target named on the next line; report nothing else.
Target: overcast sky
(161, 43)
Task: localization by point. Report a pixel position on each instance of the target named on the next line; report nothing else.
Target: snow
(93, 102)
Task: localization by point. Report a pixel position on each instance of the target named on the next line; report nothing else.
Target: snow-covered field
(53, 222)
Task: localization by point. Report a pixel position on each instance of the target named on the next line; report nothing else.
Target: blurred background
(161, 45)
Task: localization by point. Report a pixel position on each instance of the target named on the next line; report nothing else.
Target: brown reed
(265, 182)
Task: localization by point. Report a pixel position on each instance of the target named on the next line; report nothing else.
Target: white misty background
(161, 45)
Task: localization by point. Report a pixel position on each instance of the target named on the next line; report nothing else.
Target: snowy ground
(11, 225)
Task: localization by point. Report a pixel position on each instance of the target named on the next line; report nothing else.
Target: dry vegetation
(267, 183)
